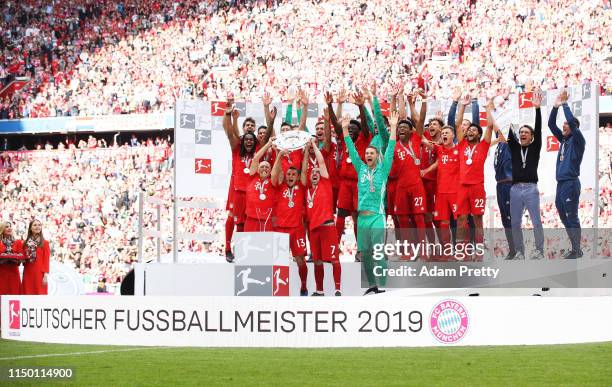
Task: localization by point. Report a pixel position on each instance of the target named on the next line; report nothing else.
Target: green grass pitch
(553, 365)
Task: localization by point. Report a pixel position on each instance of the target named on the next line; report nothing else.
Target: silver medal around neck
(262, 197)
(348, 160)
(417, 162)
(310, 204)
(468, 161)
(291, 204)
(246, 170)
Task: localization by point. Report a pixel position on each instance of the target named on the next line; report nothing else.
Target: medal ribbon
(410, 151)
(370, 178)
(262, 186)
(311, 197)
(470, 151)
(524, 156)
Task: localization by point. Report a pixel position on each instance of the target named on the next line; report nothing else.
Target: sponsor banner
(108, 123)
(375, 321)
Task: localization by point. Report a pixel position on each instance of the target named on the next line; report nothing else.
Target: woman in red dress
(37, 253)
(10, 283)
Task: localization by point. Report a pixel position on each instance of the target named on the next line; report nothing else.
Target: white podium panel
(220, 279)
(261, 248)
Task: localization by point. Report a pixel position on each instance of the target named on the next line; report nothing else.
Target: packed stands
(103, 57)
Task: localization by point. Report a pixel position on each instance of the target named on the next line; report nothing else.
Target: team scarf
(8, 243)
(31, 245)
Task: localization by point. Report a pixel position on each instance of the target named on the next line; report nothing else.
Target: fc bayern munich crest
(449, 321)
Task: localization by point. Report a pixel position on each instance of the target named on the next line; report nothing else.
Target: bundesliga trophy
(292, 140)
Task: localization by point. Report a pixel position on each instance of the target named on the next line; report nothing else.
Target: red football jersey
(293, 159)
(472, 173)
(347, 170)
(240, 170)
(289, 209)
(409, 171)
(330, 162)
(321, 197)
(429, 158)
(448, 168)
(260, 198)
(269, 156)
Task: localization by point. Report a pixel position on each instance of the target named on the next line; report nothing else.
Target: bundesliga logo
(449, 321)
(14, 309)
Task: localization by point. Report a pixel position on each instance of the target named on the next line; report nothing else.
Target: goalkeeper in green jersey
(371, 184)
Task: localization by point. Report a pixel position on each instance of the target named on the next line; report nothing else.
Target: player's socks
(406, 227)
(340, 220)
(479, 239)
(430, 232)
(229, 232)
(319, 273)
(419, 222)
(303, 271)
(337, 272)
(445, 239)
(437, 225)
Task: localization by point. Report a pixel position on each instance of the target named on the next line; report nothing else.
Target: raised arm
(464, 101)
(423, 113)
(320, 159)
(390, 150)
(332, 115)
(368, 117)
(289, 112)
(378, 116)
(304, 170)
(499, 136)
(411, 104)
(350, 146)
(475, 111)
(571, 120)
(537, 101)
(452, 112)
(304, 114)
(360, 102)
(488, 134)
(552, 121)
(327, 137)
(232, 135)
(277, 169)
(340, 100)
(270, 115)
(258, 155)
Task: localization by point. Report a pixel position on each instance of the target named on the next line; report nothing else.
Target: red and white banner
(375, 321)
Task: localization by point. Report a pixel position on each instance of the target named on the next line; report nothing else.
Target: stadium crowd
(105, 57)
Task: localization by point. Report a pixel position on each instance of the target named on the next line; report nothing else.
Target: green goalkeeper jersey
(371, 182)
